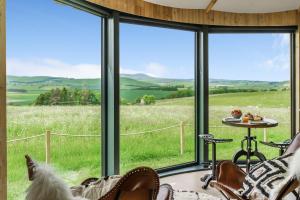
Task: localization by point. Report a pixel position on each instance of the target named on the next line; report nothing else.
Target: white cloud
(52, 67)
(156, 70)
(151, 69)
(281, 40)
(129, 71)
(58, 68)
(278, 62)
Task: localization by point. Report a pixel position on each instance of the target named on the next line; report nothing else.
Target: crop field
(77, 158)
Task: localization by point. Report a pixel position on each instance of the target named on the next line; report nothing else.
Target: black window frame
(197, 30)
(111, 20)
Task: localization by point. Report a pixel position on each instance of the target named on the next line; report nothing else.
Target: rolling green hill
(23, 90)
(160, 81)
(260, 85)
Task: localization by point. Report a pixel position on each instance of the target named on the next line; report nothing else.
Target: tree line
(65, 96)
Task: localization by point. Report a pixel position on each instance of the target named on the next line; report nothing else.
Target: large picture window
(162, 84)
(250, 72)
(157, 92)
(53, 91)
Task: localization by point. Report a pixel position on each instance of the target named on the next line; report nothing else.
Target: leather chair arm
(89, 181)
(229, 174)
(225, 190)
(289, 187)
(165, 192)
(141, 183)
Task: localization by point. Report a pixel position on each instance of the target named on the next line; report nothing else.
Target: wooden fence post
(265, 135)
(181, 138)
(47, 146)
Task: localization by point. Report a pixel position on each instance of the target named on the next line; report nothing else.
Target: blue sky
(46, 38)
(250, 56)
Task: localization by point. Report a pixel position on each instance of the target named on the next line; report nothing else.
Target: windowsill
(182, 170)
(194, 168)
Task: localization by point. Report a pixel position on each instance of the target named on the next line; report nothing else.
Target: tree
(148, 99)
(67, 97)
(181, 93)
(64, 96)
(138, 100)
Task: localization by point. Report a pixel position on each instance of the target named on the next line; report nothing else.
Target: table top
(269, 123)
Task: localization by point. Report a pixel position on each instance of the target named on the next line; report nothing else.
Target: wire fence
(126, 134)
(48, 135)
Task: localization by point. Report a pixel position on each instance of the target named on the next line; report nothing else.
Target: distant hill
(25, 89)
(42, 83)
(128, 81)
(160, 81)
(249, 84)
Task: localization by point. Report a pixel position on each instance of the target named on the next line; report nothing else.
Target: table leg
(248, 159)
(238, 154)
(248, 151)
(214, 159)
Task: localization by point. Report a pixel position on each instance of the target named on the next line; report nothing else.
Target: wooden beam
(210, 5)
(3, 149)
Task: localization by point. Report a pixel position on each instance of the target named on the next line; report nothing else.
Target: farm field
(77, 158)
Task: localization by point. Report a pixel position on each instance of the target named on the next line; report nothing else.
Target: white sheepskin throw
(294, 170)
(47, 186)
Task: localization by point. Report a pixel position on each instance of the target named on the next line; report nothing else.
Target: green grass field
(78, 158)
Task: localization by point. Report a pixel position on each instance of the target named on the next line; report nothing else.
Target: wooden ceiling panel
(196, 16)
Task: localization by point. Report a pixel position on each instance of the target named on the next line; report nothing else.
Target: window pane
(53, 74)
(250, 72)
(157, 96)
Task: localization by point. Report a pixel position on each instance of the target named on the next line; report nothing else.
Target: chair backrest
(294, 145)
(141, 183)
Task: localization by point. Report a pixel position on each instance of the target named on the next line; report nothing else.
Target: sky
(49, 39)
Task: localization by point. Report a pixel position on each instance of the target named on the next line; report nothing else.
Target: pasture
(77, 158)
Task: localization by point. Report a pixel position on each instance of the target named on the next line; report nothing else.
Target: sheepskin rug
(47, 186)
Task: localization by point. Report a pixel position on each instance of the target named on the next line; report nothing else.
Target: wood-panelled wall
(197, 16)
(3, 149)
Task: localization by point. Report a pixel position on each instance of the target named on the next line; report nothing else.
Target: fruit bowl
(236, 113)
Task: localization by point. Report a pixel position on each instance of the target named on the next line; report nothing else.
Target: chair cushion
(263, 177)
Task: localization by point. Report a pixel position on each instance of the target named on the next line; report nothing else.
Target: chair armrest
(280, 145)
(226, 191)
(88, 181)
(31, 167)
(289, 187)
(165, 192)
(229, 174)
(141, 183)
